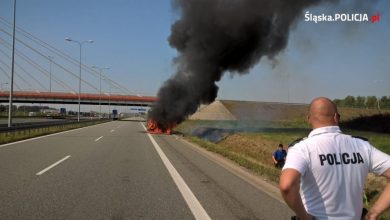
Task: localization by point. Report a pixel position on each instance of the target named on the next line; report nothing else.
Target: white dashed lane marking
(51, 166)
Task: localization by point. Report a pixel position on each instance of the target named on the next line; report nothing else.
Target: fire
(153, 127)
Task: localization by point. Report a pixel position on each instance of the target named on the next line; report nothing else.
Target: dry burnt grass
(376, 123)
(248, 143)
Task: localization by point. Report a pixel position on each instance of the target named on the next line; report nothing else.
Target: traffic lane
(23, 158)
(222, 194)
(23, 155)
(122, 178)
(94, 131)
(148, 191)
(20, 162)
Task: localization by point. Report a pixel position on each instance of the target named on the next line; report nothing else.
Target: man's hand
(371, 215)
(383, 201)
(274, 160)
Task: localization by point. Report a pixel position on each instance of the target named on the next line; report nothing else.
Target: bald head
(323, 112)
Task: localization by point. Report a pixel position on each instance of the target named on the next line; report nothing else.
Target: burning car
(154, 127)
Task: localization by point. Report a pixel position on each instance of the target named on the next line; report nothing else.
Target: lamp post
(100, 87)
(80, 44)
(51, 60)
(11, 90)
(109, 100)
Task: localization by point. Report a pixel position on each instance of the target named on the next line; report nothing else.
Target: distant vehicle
(138, 111)
(62, 112)
(51, 112)
(32, 114)
(115, 114)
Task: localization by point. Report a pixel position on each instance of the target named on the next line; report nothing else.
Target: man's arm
(289, 187)
(383, 201)
(273, 158)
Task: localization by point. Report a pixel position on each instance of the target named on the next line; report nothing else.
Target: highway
(117, 171)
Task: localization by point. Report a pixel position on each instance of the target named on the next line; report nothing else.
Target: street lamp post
(80, 44)
(11, 90)
(100, 87)
(109, 102)
(51, 60)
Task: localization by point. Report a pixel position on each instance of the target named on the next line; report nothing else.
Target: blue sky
(328, 59)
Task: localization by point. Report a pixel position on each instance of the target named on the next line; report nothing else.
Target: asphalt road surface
(117, 171)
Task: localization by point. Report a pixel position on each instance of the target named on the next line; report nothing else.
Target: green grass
(264, 170)
(281, 137)
(12, 136)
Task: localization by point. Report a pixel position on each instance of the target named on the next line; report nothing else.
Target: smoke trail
(216, 36)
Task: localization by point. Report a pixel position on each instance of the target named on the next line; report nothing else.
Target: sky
(332, 59)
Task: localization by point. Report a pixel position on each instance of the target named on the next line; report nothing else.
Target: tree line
(364, 102)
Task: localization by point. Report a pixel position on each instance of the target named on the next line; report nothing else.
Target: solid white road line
(35, 138)
(192, 202)
(51, 166)
(97, 139)
(118, 126)
(112, 130)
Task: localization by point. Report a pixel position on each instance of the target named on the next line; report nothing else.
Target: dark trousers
(279, 164)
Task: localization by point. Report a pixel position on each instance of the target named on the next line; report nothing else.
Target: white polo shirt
(333, 168)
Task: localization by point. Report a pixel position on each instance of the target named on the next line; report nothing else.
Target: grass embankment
(12, 136)
(238, 157)
(250, 144)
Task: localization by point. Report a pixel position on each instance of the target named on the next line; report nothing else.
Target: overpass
(73, 98)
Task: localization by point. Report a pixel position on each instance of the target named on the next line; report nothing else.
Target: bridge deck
(72, 98)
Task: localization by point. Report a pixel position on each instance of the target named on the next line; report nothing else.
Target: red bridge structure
(73, 98)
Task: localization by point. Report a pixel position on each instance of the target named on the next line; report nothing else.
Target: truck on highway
(62, 112)
(115, 114)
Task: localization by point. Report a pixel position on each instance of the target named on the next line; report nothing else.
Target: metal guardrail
(19, 133)
(36, 125)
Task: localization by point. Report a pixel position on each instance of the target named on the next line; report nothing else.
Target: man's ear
(336, 117)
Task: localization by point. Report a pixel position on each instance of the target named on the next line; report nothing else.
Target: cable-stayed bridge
(45, 74)
(72, 98)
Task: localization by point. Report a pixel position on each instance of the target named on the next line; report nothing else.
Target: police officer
(279, 156)
(324, 175)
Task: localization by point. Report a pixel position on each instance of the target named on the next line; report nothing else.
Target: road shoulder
(248, 176)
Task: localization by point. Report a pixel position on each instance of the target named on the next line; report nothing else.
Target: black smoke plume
(217, 36)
